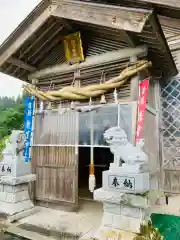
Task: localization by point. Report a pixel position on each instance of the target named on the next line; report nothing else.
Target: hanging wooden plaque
(73, 48)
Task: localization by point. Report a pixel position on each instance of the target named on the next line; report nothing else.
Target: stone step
(26, 234)
(39, 233)
(14, 208)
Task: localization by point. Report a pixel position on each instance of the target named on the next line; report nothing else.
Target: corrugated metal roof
(44, 47)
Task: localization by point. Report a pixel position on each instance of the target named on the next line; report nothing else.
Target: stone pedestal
(125, 185)
(15, 176)
(124, 211)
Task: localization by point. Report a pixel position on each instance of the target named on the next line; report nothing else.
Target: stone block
(14, 189)
(9, 180)
(107, 219)
(22, 214)
(126, 210)
(108, 196)
(14, 208)
(122, 222)
(126, 223)
(14, 197)
(1, 188)
(13, 164)
(126, 182)
(126, 168)
(112, 208)
(102, 195)
(134, 212)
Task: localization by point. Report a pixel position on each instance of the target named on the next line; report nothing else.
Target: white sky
(12, 13)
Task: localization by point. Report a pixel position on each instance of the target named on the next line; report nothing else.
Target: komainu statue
(15, 144)
(124, 152)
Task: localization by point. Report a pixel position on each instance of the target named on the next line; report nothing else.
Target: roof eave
(30, 24)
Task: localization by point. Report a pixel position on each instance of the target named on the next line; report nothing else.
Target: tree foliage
(11, 115)
(11, 118)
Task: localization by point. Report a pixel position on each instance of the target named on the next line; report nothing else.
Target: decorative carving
(124, 152)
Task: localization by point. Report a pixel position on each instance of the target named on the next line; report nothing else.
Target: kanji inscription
(121, 182)
(5, 169)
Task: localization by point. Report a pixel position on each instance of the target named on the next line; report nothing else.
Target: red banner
(143, 89)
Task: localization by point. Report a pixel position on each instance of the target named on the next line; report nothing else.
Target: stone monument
(15, 176)
(125, 184)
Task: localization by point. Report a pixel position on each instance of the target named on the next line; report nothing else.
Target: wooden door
(55, 157)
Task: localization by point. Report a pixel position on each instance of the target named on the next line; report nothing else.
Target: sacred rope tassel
(92, 178)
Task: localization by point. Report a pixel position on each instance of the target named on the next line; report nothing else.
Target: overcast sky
(12, 13)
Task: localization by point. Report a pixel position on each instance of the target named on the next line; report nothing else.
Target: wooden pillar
(134, 87)
(33, 161)
(159, 133)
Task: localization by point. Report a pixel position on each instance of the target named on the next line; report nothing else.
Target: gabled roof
(38, 42)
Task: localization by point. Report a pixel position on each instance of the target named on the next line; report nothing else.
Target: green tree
(12, 115)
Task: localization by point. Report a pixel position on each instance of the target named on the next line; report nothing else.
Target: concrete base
(125, 223)
(122, 210)
(126, 210)
(14, 197)
(124, 217)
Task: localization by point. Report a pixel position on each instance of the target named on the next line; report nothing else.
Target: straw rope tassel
(91, 91)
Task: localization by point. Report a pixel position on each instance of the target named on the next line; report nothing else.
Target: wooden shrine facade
(112, 40)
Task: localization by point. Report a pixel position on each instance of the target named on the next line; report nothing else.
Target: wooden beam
(128, 19)
(16, 43)
(128, 39)
(21, 64)
(92, 60)
(175, 4)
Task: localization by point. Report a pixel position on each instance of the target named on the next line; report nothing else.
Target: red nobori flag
(143, 88)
